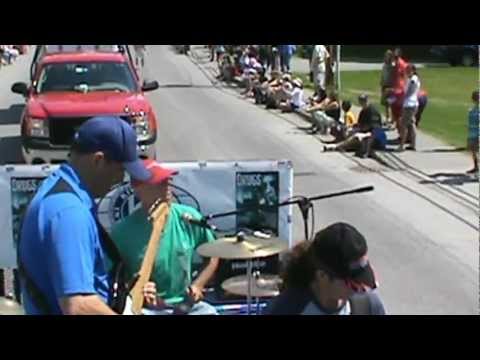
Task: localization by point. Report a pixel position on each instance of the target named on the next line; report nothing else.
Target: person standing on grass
(286, 53)
(410, 107)
(473, 132)
(319, 68)
(387, 80)
(398, 94)
(422, 105)
(401, 66)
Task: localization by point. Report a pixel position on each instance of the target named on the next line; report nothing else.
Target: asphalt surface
(426, 259)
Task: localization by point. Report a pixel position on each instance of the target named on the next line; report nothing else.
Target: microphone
(201, 223)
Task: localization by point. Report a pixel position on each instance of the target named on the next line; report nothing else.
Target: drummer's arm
(207, 274)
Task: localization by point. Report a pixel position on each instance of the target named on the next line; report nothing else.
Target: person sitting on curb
(325, 114)
(296, 101)
(349, 118)
(473, 132)
(330, 275)
(279, 92)
(367, 135)
(261, 89)
(251, 76)
(226, 68)
(346, 127)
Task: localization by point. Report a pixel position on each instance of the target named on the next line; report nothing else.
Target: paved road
(427, 260)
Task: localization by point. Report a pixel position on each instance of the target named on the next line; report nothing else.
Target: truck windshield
(86, 77)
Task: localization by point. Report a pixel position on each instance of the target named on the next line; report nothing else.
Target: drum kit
(249, 248)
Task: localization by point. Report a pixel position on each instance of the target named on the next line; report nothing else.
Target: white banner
(211, 187)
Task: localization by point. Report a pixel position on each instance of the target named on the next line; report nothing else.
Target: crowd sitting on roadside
(264, 71)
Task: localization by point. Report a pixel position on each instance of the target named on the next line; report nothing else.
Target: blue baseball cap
(116, 139)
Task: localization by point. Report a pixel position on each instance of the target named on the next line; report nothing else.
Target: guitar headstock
(158, 209)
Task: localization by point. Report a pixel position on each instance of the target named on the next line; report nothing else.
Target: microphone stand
(305, 204)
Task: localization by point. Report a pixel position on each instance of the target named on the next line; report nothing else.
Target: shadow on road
(445, 150)
(10, 150)
(12, 115)
(450, 179)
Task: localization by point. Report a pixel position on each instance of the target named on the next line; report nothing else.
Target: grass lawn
(449, 90)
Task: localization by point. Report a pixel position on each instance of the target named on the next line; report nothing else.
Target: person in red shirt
(400, 69)
(400, 77)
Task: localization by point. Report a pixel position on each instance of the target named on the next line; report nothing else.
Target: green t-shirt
(176, 256)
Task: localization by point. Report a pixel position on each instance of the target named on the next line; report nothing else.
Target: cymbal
(10, 307)
(263, 286)
(242, 248)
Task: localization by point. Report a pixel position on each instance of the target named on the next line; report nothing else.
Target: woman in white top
(410, 108)
(295, 101)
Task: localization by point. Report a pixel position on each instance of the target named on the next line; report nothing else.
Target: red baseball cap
(159, 174)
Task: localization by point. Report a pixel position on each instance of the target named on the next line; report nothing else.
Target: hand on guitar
(150, 294)
(195, 293)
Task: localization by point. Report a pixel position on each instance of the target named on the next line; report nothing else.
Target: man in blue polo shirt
(61, 249)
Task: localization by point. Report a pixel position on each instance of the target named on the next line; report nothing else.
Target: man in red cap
(175, 259)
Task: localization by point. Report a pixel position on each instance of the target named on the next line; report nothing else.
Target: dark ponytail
(299, 270)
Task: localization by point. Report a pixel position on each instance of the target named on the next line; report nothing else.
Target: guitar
(158, 215)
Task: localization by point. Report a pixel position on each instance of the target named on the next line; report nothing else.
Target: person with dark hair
(397, 95)
(400, 68)
(61, 223)
(343, 129)
(264, 56)
(408, 128)
(331, 275)
(387, 80)
(325, 114)
(349, 118)
(473, 131)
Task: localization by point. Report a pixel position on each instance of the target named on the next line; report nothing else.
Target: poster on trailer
(210, 187)
(22, 192)
(257, 190)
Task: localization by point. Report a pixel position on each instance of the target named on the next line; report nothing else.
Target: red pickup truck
(67, 89)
